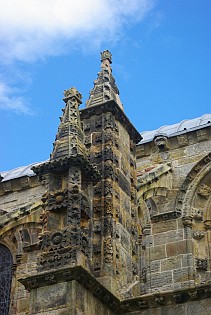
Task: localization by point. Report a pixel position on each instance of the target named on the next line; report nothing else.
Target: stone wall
(189, 308)
(64, 299)
(174, 209)
(150, 247)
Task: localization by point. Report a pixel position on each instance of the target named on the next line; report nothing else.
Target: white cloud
(35, 29)
(9, 100)
(32, 29)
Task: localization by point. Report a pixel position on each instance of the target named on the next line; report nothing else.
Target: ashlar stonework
(115, 222)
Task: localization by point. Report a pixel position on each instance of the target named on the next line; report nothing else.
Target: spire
(70, 137)
(105, 88)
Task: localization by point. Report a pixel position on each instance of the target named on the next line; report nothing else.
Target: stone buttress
(110, 141)
(67, 233)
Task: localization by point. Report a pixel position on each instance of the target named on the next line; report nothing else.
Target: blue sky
(161, 63)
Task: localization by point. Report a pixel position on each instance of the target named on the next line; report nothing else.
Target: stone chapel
(115, 222)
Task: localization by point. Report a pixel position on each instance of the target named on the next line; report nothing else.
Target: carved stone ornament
(146, 229)
(108, 250)
(63, 164)
(198, 235)
(201, 263)
(187, 221)
(55, 200)
(185, 193)
(204, 191)
(198, 214)
(72, 93)
(59, 248)
(161, 142)
(207, 224)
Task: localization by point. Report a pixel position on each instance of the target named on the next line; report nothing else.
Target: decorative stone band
(190, 184)
(187, 221)
(166, 216)
(147, 301)
(153, 174)
(112, 107)
(63, 164)
(75, 273)
(17, 214)
(17, 185)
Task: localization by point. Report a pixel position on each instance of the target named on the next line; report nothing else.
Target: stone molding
(15, 216)
(63, 164)
(177, 140)
(189, 187)
(147, 301)
(153, 174)
(113, 107)
(17, 184)
(166, 216)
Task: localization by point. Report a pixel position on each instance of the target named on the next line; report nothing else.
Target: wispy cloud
(30, 29)
(9, 100)
(35, 29)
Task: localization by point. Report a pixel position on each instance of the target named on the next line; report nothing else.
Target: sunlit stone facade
(115, 222)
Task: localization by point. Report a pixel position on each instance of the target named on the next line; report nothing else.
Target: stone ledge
(17, 214)
(63, 164)
(146, 301)
(153, 174)
(18, 184)
(113, 107)
(166, 216)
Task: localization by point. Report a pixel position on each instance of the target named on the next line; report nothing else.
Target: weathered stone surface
(157, 252)
(157, 280)
(190, 308)
(49, 297)
(177, 248)
(87, 237)
(160, 227)
(168, 237)
(155, 266)
(171, 263)
(184, 274)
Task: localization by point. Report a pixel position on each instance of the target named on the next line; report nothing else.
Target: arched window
(5, 279)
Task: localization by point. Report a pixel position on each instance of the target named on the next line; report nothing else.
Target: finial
(106, 55)
(72, 93)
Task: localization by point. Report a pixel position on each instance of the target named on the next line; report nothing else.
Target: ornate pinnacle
(106, 55)
(73, 94)
(70, 137)
(105, 88)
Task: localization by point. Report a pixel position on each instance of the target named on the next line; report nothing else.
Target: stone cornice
(61, 165)
(166, 216)
(113, 107)
(146, 301)
(13, 218)
(153, 174)
(17, 184)
(177, 140)
(73, 273)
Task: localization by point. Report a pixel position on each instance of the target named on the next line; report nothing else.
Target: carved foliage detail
(55, 200)
(201, 263)
(204, 191)
(57, 249)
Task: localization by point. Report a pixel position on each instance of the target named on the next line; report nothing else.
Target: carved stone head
(161, 142)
